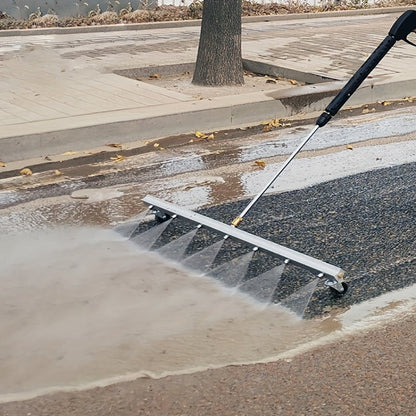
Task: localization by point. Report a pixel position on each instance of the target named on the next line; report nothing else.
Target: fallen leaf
(118, 158)
(386, 103)
(69, 153)
(349, 147)
(154, 76)
(293, 82)
(200, 135)
(26, 172)
(274, 123)
(260, 163)
(211, 137)
(57, 172)
(156, 145)
(2, 164)
(118, 145)
(271, 81)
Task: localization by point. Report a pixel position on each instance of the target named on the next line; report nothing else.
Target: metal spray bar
(316, 266)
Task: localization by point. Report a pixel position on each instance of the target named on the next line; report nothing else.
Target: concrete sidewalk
(60, 92)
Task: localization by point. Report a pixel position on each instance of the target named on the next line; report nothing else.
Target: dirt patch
(116, 14)
(182, 83)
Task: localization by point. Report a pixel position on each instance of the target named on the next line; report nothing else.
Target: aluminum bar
(316, 266)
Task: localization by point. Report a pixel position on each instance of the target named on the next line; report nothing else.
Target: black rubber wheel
(162, 217)
(337, 294)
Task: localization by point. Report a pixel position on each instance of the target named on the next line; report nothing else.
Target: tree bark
(219, 61)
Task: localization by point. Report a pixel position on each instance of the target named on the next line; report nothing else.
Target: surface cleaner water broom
(334, 275)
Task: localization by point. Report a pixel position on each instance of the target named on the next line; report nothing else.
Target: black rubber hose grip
(357, 79)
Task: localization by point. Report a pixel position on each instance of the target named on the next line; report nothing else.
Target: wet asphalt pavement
(363, 223)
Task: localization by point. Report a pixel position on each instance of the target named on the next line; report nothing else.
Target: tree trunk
(219, 60)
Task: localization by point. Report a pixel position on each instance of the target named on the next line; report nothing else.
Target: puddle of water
(91, 195)
(82, 305)
(108, 206)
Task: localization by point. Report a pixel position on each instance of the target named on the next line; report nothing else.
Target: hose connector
(236, 221)
(323, 119)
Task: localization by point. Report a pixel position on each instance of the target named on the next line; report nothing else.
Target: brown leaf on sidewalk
(350, 147)
(211, 137)
(68, 153)
(118, 158)
(57, 172)
(367, 110)
(158, 146)
(274, 123)
(118, 145)
(200, 135)
(2, 164)
(26, 172)
(260, 163)
(154, 76)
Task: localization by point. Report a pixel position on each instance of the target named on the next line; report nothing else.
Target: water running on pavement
(81, 305)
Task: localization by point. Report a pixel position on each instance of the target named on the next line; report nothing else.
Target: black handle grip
(405, 24)
(357, 79)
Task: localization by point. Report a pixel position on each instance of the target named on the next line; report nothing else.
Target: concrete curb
(168, 120)
(188, 23)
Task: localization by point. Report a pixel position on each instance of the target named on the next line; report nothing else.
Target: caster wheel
(161, 216)
(337, 294)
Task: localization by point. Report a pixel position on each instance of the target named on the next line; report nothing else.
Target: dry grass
(194, 11)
